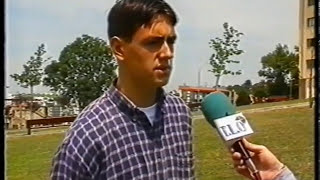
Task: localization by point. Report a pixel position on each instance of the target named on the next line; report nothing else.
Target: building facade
(307, 44)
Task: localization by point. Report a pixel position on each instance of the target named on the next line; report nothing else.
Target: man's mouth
(163, 68)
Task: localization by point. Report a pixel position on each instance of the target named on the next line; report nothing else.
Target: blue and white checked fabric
(112, 139)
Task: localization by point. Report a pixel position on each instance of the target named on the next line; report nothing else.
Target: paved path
(264, 109)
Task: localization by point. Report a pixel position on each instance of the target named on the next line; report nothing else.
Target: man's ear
(117, 46)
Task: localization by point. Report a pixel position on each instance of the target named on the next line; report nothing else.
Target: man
(135, 130)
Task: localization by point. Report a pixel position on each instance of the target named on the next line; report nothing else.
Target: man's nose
(166, 51)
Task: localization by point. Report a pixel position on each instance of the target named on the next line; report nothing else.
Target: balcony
(310, 53)
(309, 12)
(310, 32)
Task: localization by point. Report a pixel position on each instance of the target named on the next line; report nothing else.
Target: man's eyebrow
(173, 37)
(158, 37)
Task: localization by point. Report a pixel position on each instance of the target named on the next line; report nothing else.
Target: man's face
(148, 56)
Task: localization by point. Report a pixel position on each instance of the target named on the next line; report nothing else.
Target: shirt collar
(127, 106)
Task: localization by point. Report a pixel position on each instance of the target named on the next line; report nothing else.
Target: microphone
(232, 127)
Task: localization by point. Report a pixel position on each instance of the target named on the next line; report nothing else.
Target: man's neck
(137, 93)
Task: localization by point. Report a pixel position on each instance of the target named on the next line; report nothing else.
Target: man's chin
(161, 82)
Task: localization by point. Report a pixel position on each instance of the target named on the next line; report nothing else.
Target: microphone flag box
(233, 127)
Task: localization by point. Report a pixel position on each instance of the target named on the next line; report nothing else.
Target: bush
(243, 98)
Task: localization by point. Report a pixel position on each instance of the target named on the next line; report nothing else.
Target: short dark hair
(126, 16)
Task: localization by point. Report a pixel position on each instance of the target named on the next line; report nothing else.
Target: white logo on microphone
(233, 127)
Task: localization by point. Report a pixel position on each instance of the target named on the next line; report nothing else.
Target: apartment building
(307, 44)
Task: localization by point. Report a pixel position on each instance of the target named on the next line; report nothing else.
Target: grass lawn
(288, 133)
(29, 157)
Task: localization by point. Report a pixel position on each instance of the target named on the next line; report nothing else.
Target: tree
(279, 68)
(84, 70)
(247, 84)
(243, 98)
(33, 72)
(260, 89)
(223, 50)
(243, 94)
(62, 100)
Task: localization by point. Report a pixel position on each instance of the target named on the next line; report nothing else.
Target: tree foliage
(223, 49)
(280, 63)
(243, 98)
(32, 70)
(260, 89)
(61, 100)
(243, 94)
(279, 67)
(84, 70)
(247, 84)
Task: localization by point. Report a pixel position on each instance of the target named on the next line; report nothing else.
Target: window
(310, 63)
(311, 42)
(310, 22)
(310, 2)
(310, 67)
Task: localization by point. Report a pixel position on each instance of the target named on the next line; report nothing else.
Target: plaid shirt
(112, 139)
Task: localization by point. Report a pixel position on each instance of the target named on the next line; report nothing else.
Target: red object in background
(277, 98)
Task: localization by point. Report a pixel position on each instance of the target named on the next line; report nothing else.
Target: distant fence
(47, 122)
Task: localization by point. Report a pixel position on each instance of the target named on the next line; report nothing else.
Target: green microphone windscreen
(215, 106)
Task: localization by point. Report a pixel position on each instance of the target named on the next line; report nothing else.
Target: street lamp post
(199, 79)
(199, 73)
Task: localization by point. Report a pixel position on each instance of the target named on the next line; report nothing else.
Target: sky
(57, 23)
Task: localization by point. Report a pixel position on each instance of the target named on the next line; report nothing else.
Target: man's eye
(154, 42)
(171, 41)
